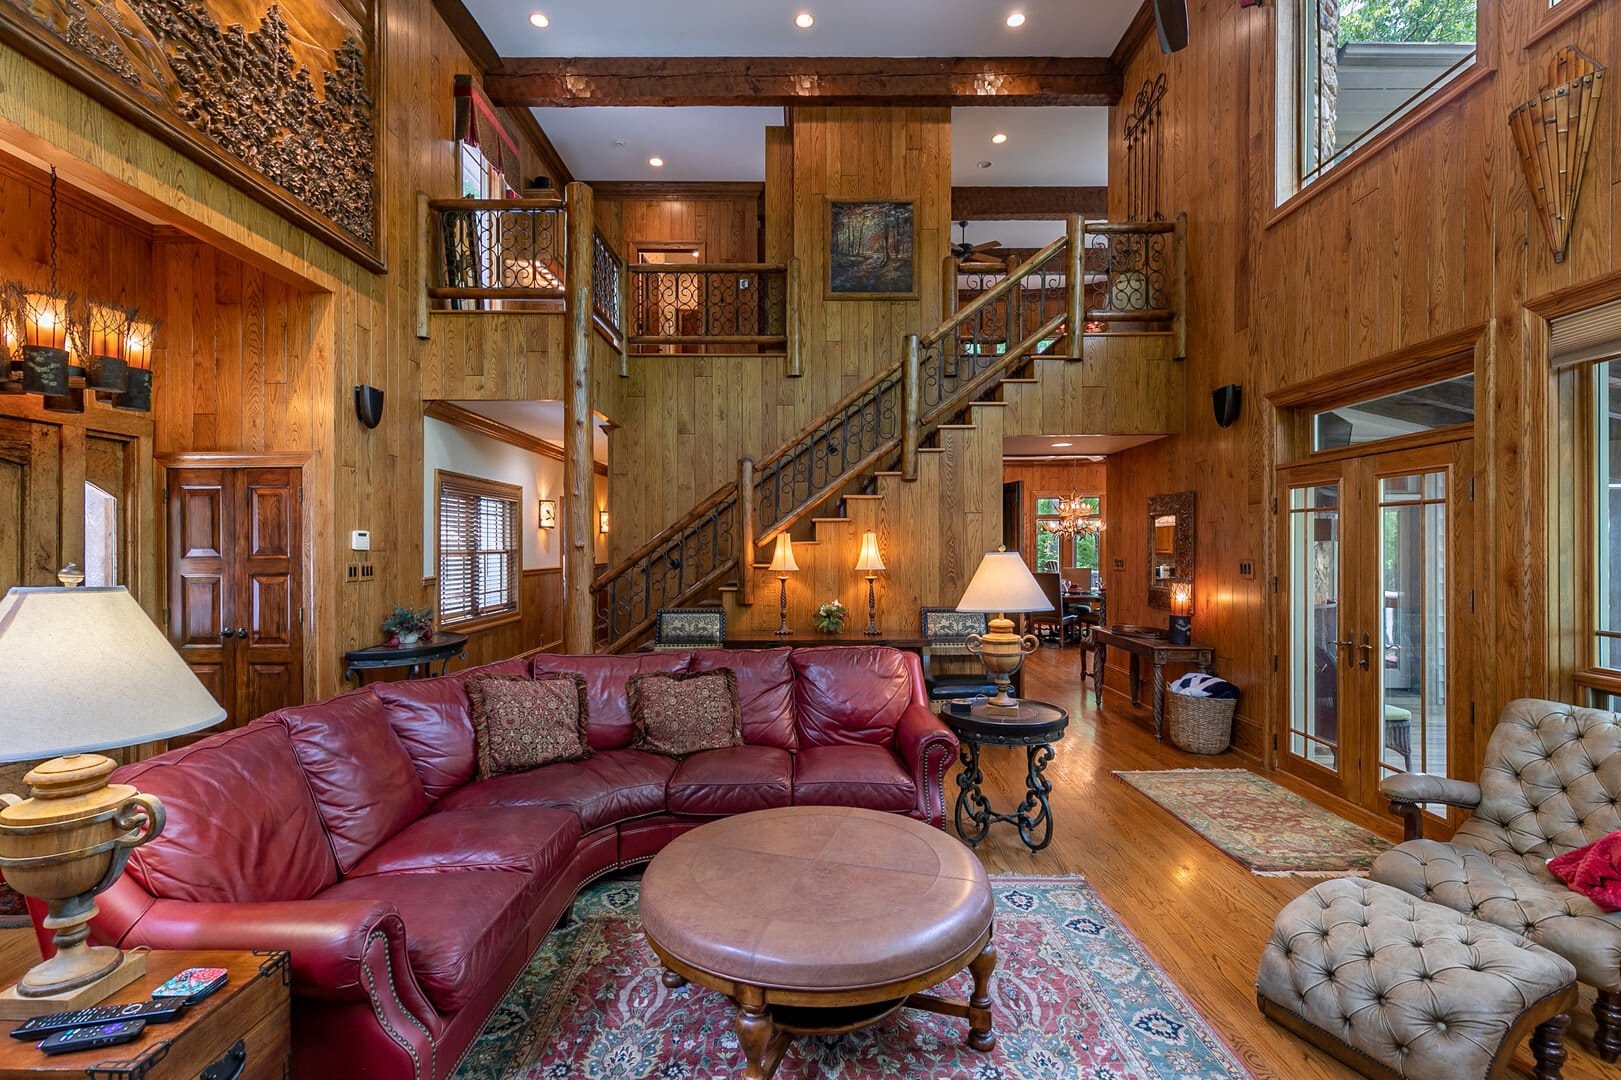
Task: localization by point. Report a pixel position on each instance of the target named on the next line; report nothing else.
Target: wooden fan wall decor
(1553, 132)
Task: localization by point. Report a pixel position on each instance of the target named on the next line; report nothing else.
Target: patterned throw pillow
(522, 723)
(678, 715)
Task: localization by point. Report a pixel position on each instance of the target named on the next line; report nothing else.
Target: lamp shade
(1003, 583)
(782, 559)
(869, 561)
(85, 669)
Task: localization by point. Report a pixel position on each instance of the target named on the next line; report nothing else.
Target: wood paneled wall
(727, 229)
(1059, 478)
(1429, 234)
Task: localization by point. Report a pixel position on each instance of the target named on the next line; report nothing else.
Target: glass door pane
(1315, 697)
(1412, 648)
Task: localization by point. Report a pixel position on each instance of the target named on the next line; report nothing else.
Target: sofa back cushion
(608, 711)
(363, 782)
(765, 692)
(241, 824)
(852, 694)
(434, 722)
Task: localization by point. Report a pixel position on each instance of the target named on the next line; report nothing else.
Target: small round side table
(1034, 725)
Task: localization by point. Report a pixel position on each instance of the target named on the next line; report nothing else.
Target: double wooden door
(236, 584)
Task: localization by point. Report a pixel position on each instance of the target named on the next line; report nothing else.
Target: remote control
(93, 1037)
(157, 1011)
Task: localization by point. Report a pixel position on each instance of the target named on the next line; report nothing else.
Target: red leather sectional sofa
(352, 832)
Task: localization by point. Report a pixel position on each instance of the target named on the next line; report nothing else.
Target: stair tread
(988, 404)
(1010, 379)
(956, 427)
(831, 520)
(861, 496)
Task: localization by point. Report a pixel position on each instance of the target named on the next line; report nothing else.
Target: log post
(791, 326)
(1013, 306)
(948, 288)
(1179, 318)
(623, 285)
(579, 509)
(1075, 284)
(745, 540)
(910, 407)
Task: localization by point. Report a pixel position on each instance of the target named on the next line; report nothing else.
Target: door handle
(1367, 651)
(225, 632)
(1347, 645)
(242, 632)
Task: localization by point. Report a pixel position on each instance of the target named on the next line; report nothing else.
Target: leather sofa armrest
(927, 746)
(1408, 791)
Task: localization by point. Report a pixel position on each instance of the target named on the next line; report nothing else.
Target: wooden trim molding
(227, 459)
(1429, 361)
(677, 189)
(450, 413)
(1027, 203)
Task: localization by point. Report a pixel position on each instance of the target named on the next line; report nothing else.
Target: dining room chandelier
(58, 348)
(1076, 516)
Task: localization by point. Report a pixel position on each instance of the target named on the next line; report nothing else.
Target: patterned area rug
(1267, 828)
(1074, 996)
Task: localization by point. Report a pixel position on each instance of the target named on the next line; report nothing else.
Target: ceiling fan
(976, 255)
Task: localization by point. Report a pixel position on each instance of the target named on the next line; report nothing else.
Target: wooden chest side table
(240, 1031)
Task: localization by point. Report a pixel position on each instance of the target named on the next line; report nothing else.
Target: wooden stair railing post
(791, 326)
(1013, 308)
(623, 285)
(911, 401)
(1179, 318)
(579, 561)
(1075, 285)
(745, 531)
(948, 287)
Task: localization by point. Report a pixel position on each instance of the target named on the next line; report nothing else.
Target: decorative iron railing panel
(662, 574)
(605, 273)
(1129, 272)
(952, 360)
(709, 304)
(494, 249)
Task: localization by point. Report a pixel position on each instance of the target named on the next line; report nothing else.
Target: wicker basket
(1200, 725)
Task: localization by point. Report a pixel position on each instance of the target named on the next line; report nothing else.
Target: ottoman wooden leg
(671, 980)
(762, 1044)
(1607, 1016)
(980, 1035)
(1548, 1046)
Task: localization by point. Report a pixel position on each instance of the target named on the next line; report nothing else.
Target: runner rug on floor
(1267, 828)
(1074, 995)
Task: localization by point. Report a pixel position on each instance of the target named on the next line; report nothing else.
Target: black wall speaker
(369, 405)
(1226, 400)
(1171, 16)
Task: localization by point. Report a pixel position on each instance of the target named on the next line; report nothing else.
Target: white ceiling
(766, 27)
(1046, 147)
(695, 143)
(542, 419)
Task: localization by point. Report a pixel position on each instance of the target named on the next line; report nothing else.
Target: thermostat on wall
(360, 540)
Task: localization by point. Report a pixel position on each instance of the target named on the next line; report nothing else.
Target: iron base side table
(1035, 725)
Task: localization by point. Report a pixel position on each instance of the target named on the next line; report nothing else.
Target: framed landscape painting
(871, 247)
(279, 99)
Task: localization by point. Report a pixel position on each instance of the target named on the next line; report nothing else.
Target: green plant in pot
(829, 617)
(408, 625)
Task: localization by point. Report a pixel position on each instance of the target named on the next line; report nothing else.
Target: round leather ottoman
(1394, 986)
(817, 920)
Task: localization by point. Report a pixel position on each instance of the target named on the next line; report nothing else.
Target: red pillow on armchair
(1593, 870)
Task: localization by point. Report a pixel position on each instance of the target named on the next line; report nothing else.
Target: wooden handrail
(668, 533)
(970, 390)
(827, 415)
(708, 339)
(494, 292)
(889, 448)
(1111, 228)
(724, 567)
(708, 268)
(991, 295)
(547, 203)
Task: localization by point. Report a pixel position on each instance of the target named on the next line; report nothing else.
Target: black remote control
(93, 1037)
(156, 1011)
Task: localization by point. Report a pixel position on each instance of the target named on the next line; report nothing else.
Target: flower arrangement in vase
(408, 625)
(829, 617)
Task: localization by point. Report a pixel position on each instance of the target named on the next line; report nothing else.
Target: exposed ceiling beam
(805, 80)
(1026, 203)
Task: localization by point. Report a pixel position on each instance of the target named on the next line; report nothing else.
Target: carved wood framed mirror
(1170, 545)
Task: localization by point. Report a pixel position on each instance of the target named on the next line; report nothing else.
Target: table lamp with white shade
(83, 670)
(783, 564)
(1003, 584)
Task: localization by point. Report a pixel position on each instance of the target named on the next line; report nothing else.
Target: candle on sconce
(137, 396)
(1181, 628)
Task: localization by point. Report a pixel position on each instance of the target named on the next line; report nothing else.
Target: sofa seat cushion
(458, 924)
(535, 840)
(606, 788)
(732, 780)
(866, 776)
(607, 698)
(363, 781)
(1503, 891)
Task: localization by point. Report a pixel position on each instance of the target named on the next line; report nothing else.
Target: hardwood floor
(1200, 915)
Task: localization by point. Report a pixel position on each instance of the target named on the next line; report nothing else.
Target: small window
(100, 537)
(1606, 390)
(479, 550)
(1422, 408)
(1085, 547)
(1353, 67)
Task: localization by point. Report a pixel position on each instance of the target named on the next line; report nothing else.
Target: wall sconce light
(1181, 628)
(548, 513)
(369, 405)
(602, 522)
(1226, 401)
(870, 561)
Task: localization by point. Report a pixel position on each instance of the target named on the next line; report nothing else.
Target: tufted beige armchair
(1551, 782)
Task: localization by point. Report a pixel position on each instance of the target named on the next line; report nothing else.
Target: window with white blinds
(479, 548)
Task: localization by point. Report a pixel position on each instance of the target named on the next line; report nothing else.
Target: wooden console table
(1143, 642)
(419, 657)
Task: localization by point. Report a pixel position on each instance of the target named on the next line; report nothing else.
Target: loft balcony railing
(710, 308)
(492, 250)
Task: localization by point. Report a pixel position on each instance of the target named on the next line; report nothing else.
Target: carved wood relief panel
(281, 100)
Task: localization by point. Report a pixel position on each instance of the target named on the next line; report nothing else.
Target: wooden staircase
(914, 453)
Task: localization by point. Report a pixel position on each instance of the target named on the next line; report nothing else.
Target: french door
(1375, 604)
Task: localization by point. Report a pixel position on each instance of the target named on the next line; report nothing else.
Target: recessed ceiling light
(1016, 19)
(539, 21)
(984, 164)
(804, 20)
(1056, 445)
(656, 162)
(999, 138)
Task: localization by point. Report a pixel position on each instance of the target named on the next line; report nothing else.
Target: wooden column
(1075, 284)
(792, 321)
(745, 540)
(579, 509)
(911, 405)
(1179, 317)
(623, 285)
